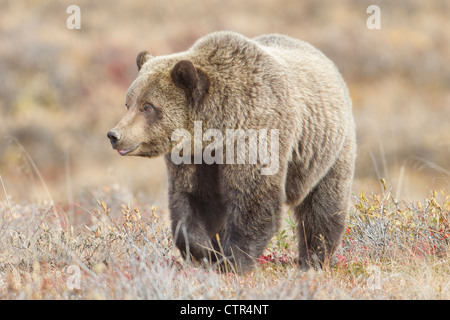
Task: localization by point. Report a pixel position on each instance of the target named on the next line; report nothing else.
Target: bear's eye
(148, 107)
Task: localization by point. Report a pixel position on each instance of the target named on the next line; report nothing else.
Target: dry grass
(391, 250)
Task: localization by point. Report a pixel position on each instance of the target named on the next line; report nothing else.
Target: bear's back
(296, 52)
(308, 65)
(285, 42)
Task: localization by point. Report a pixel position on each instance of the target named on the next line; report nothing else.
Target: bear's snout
(114, 136)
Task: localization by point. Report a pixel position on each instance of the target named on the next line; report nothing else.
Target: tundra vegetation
(391, 249)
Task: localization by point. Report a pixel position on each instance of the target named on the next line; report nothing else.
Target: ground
(391, 250)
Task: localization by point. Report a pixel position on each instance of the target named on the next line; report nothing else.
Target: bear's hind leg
(321, 216)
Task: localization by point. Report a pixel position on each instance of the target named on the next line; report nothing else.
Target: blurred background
(61, 90)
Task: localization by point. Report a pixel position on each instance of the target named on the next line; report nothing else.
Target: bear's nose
(114, 136)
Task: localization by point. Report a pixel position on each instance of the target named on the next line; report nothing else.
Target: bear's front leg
(253, 204)
(196, 209)
(188, 228)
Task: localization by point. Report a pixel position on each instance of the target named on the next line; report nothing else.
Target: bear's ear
(142, 58)
(193, 81)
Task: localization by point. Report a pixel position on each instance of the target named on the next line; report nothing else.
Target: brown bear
(225, 211)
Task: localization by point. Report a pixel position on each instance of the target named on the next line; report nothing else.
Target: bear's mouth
(123, 152)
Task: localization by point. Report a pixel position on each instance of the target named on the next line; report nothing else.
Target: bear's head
(158, 102)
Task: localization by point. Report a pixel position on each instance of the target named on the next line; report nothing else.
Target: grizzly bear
(224, 212)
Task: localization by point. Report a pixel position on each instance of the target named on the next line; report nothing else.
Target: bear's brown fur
(227, 213)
